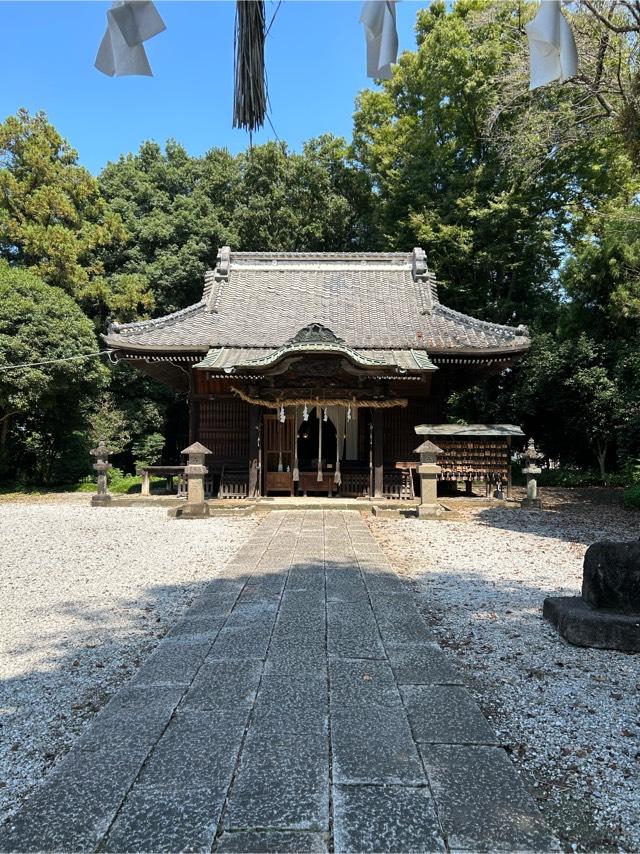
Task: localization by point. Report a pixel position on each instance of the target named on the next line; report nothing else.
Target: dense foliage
(44, 409)
(526, 203)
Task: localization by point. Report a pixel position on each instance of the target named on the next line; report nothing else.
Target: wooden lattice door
(278, 453)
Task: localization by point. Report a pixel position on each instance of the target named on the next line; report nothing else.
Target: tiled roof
(371, 301)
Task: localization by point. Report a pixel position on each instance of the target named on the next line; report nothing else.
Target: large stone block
(582, 625)
(611, 576)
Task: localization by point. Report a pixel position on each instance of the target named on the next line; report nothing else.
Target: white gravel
(85, 595)
(571, 716)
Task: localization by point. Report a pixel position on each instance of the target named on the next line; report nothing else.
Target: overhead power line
(54, 361)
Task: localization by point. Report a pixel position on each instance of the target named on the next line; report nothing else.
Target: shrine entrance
(316, 450)
(316, 436)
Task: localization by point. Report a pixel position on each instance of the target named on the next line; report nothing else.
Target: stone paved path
(300, 705)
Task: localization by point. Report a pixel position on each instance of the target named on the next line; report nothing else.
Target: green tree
(495, 233)
(571, 399)
(316, 200)
(177, 209)
(180, 209)
(52, 215)
(44, 408)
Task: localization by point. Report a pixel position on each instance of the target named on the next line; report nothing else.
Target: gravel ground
(570, 716)
(85, 595)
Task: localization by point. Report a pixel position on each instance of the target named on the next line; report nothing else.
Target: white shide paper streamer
(129, 24)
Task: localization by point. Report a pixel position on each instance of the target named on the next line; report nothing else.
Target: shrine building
(308, 373)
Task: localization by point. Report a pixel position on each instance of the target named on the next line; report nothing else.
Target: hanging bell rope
(319, 447)
(250, 87)
(329, 401)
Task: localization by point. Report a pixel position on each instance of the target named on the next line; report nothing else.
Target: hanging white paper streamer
(129, 24)
(379, 19)
(552, 49)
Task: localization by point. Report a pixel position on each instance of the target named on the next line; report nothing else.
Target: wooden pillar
(377, 453)
(254, 469)
(194, 410)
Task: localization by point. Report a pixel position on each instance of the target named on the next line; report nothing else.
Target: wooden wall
(222, 425)
(400, 437)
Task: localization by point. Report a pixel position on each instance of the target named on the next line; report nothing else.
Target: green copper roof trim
(423, 361)
(210, 359)
(313, 347)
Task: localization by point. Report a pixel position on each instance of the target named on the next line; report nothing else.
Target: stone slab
(199, 628)
(75, 805)
(223, 685)
(217, 600)
(267, 841)
(239, 643)
(133, 720)
(291, 703)
(582, 625)
(481, 802)
(352, 631)
(373, 745)
(166, 818)
(345, 584)
(362, 683)
(282, 782)
(445, 714)
(385, 819)
(173, 663)
(399, 620)
(404, 629)
(427, 664)
(198, 749)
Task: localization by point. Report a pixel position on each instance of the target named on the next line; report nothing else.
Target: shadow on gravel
(575, 516)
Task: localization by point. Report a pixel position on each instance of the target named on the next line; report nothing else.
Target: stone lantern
(195, 507)
(428, 470)
(102, 498)
(531, 456)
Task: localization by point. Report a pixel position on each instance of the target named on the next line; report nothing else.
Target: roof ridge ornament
(223, 264)
(419, 264)
(315, 333)
(422, 278)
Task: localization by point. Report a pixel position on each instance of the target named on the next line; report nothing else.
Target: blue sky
(315, 65)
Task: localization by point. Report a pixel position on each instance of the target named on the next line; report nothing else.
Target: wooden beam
(377, 453)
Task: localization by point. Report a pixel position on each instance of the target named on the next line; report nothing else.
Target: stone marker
(196, 507)
(607, 615)
(102, 498)
(428, 470)
(611, 576)
(532, 470)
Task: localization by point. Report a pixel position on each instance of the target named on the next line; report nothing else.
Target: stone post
(102, 498)
(532, 470)
(195, 507)
(428, 470)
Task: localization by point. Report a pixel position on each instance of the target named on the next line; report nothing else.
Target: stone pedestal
(531, 471)
(428, 472)
(195, 506)
(102, 498)
(607, 615)
(532, 500)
